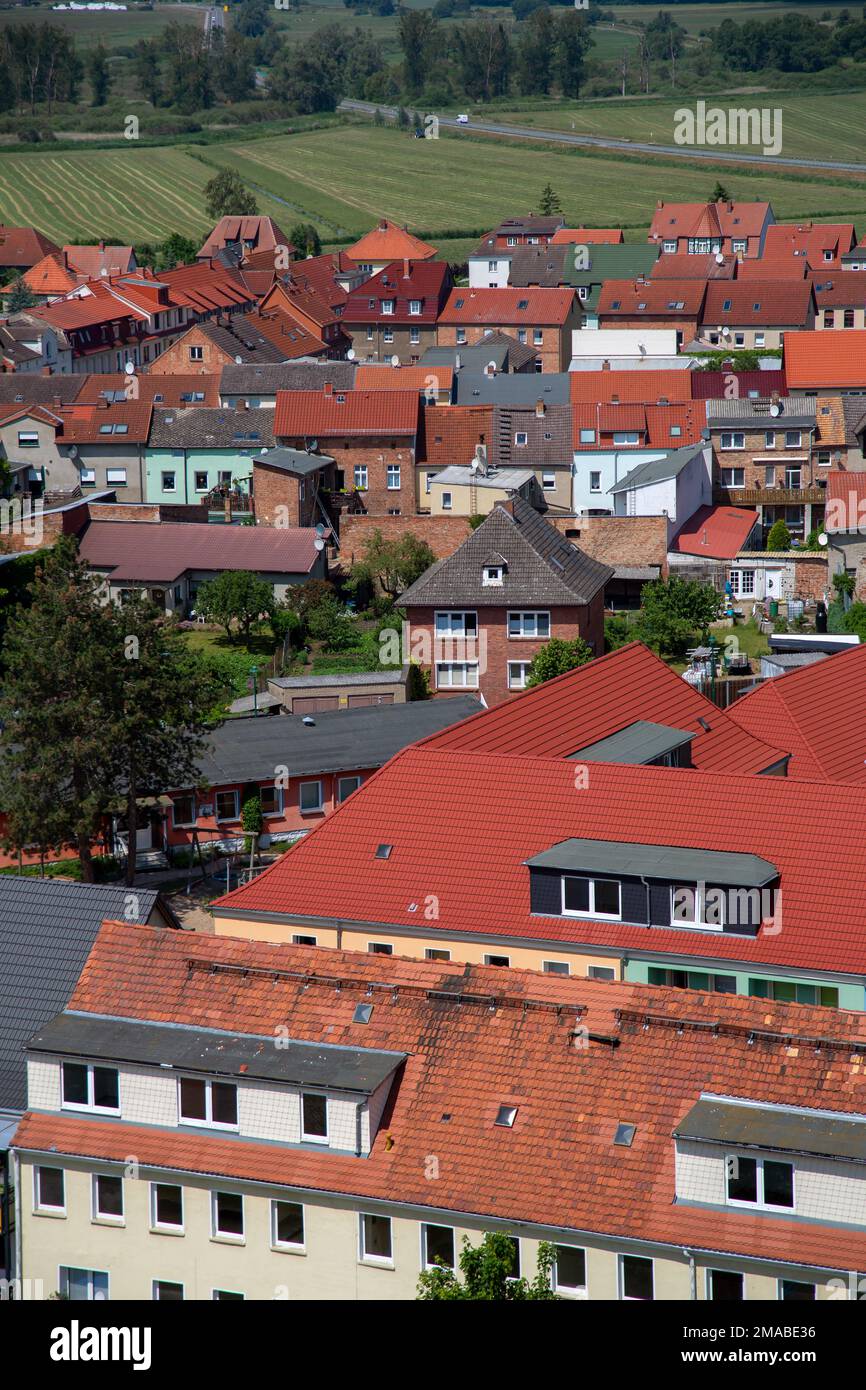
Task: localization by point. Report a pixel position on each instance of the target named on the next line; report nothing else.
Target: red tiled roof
(85, 311)
(817, 358)
(758, 302)
(90, 262)
(655, 422)
(840, 289)
(557, 1166)
(168, 386)
(285, 332)
(819, 712)
(388, 242)
(87, 424)
(427, 281)
(22, 247)
(717, 533)
(375, 377)
(714, 385)
(846, 499)
(679, 264)
(163, 551)
(625, 297)
(645, 387)
(553, 720)
(50, 276)
(450, 433)
(541, 305)
(783, 243)
(316, 413)
(203, 287)
(463, 825)
(261, 230)
(707, 219)
(774, 269)
(593, 236)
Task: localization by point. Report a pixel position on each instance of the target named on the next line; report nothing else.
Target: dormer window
(491, 576)
(696, 905)
(387, 306)
(759, 1182)
(90, 1088)
(591, 897)
(213, 1104)
(414, 306)
(314, 1118)
(520, 439)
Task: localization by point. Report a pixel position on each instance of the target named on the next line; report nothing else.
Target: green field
(344, 177)
(115, 29)
(827, 125)
(694, 18)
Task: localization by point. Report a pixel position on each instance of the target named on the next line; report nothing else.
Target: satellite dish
(719, 328)
(130, 369)
(319, 543)
(239, 361)
(720, 260)
(263, 451)
(320, 529)
(351, 354)
(775, 408)
(823, 538)
(395, 361)
(73, 451)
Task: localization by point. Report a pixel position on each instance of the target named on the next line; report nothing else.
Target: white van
(462, 120)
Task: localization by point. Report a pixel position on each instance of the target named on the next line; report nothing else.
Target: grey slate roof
(556, 451)
(27, 388)
(209, 427)
(305, 374)
(658, 470)
(854, 412)
(508, 354)
(341, 740)
(675, 863)
(242, 340)
(797, 412)
(47, 927)
(510, 388)
(542, 566)
(772, 1127)
(217, 1052)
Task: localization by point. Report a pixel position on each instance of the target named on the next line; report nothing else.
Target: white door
(773, 583)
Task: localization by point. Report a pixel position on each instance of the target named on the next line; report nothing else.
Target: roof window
(384, 851)
(624, 1136)
(506, 1116)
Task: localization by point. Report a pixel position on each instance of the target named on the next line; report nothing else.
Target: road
(214, 18)
(561, 137)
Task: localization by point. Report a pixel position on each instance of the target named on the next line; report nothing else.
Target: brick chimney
(406, 268)
(605, 366)
(329, 388)
(102, 403)
(241, 405)
(540, 408)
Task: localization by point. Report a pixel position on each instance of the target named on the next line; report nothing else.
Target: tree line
(789, 43)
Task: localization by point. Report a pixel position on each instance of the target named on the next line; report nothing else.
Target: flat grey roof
(748, 1126)
(293, 461)
(217, 1053)
(639, 742)
(670, 862)
(384, 677)
(512, 388)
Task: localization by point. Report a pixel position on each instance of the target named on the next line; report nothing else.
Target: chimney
(539, 408)
(457, 362)
(406, 268)
(46, 371)
(102, 246)
(605, 366)
(329, 388)
(241, 405)
(490, 369)
(56, 402)
(102, 403)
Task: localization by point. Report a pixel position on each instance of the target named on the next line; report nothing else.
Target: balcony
(769, 496)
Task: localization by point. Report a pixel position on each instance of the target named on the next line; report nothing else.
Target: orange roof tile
(819, 359)
(592, 236)
(646, 387)
(717, 532)
(319, 413)
(508, 305)
(389, 242)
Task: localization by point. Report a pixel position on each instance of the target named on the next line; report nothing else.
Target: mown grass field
(824, 125)
(344, 177)
(115, 29)
(694, 18)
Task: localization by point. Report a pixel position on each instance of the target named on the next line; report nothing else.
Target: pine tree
(20, 297)
(549, 203)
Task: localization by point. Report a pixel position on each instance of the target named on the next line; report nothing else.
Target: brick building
(371, 436)
(477, 619)
(541, 318)
(244, 340)
(394, 314)
(290, 487)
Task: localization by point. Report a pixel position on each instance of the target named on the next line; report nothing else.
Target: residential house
(474, 490)
(22, 247)
(242, 341)
(681, 266)
(47, 929)
(625, 349)
(314, 304)
(591, 236)
(103, 332)
(29, 346)
(534, 230)
(291, 487)
(610, 440)
(450, 437)
(700, 229)
(477, 618)
(176, 390)
(61, 272)
(713, 535)
(384, 245)
(195, 452)
(772, 454)
(394, 314)
(521, 389)
(505, 354)
(536, 437)
(655, 304)
(371, 436)
(817, 244)
(255, 384)
(674, 486)
(756, 314)
(840, 299)
(494, 269)
(636, 387)
(168, 561)
(60, 450)
(542, 318)
(307, 1169)
(590, 266)
(715, 385)
(243, 236)
(299, 771)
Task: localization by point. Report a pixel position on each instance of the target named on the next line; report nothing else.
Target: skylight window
(523, 303)
(363, 1013)
(384, 851)
(506, 1116)
(624, 1135)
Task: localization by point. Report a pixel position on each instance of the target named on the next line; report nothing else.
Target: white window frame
(522, 614)
(201, 473)
(739, 587)
(208, 1122)
(446, 502)
(341, 795)
(231, 1236)
(391, 470)
(414, 306)
(699, 901)
(196, 353)
(708, 1282)
(626, 437)
(382, 1261)
(491, 577)
(28, 439)
(468, 667)
(306, 1138)
(732, 436)
(460, 630)
(87, 477)
(759, 1204)
(226, 819)
(164, 1227)
(460, 336)
(595, 481)
(497, 960)
(520, 439)
(287, 1246)
(89, 1107)
(793, 439)
(769, 439)
(587, 436)
(555, 967)
(620, 1278)
(591, 913)
(538, 337)
(729, 477)
(360, 476)
(571, 1290)
(278, 792)
(101, 1218)
(169, 473)
(426, 1263)
(41, 1208)
(388, 308)
(669, 247)
(115, 477)
(310, 810)
(520, 683)
(548, 482)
